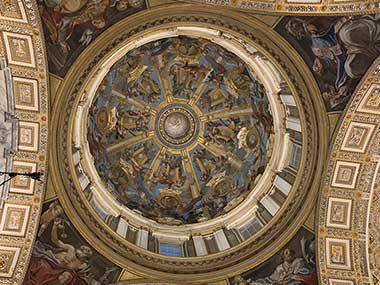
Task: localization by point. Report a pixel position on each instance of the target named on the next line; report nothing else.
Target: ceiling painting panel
(293, 264)
(60, 255)
(71, 25)
(338, 50)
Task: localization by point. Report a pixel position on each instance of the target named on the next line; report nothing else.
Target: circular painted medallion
(177, 126)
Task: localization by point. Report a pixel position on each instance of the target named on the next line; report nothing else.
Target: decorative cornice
(295, 7)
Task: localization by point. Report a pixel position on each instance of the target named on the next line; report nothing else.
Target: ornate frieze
(307, 7)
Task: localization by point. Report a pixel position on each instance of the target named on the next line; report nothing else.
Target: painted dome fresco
(180, 130)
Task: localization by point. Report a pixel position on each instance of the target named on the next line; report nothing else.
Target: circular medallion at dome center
(177, 126)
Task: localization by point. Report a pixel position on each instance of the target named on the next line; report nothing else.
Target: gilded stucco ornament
(295, 7)
(348, 226)
(24, 100)
(100, 211)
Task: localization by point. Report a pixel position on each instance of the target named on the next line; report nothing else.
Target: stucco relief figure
(57, 258)
(343, 49)
(337, 254)
(5, 134)
(5, 126)
(374, 99)
(356, 136)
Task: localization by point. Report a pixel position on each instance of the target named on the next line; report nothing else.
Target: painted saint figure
(60, 258)
(343, 49)
(292, 270)
(63, 264)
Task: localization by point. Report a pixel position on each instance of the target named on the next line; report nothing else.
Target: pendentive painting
(294, 264)
(339, 50)
(71, 25)
(61, 256)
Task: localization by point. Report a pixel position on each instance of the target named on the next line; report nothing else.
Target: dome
(180, 130)
(205, 142)
(188, 144)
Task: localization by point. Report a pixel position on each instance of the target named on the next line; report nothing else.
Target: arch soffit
(23, 61)
(347, 227)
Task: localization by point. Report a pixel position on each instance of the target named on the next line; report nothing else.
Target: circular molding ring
(255, 249)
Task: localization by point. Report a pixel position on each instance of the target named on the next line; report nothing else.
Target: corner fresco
(180, 130)
(61, 256)
(71, 25)
(338, 50)
(294, 264)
